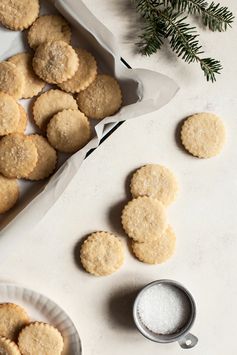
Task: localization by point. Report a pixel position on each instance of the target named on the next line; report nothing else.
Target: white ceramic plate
(41, 308)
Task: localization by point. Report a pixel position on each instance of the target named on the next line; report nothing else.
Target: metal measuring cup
(185, 339)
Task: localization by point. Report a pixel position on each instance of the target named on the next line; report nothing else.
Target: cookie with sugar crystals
(12, 319)
(49, 28)
(156, 181)
(102, 253)
(55, 62)
(47, 158)
(49, 104)
(18, 156)
(68, 131)
(101, 99)
(85, 74)
(9, 114)
(11, 80)
(144, 218)
(203, 135)
(40, 338)
(32, 83)
(8, 347)
(9, 194)
(18, 15)
(156, 251)
(21, 127)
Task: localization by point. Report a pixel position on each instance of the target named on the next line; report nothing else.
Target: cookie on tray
(68, 131)
(55, 62)
(9, 114)
(85, 75)
(8, 347)
(11, 80)
(203, 135)
(9, 193)
(18, 15)
(158, 250)
(49, 104)
(12, 319)
(47, 158)
(21, 127)
(32, 83)
(18, 156)
(156, 181)
(102, 253)
(101, 99)
(144, 218)
(40, 338)
(49, 28)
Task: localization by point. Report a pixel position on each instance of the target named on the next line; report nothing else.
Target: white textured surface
(204, 216)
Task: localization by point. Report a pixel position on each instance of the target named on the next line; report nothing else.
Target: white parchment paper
(143, 90)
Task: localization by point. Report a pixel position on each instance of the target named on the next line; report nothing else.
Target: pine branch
(214, 16)
(163, 23)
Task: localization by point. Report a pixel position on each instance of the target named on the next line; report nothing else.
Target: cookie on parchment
(32, 83)
(68, 131)
(12, 319)
(101, 99)
(49, 104)
(47, 158)
(49, 28)
(85, 75)
(144, 218)
(18, 15)
(9, 194)
(21, 127)
(18, 156)
(55, 62)
(41, 339)
(102, 254)
(8, 347)
(156, 181)
(11, 80)
(9, 114)
(203, 135)
(158, 250)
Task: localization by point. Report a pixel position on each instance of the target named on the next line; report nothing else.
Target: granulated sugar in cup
(164, 311)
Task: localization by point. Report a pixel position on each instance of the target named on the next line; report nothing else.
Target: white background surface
(204, 215)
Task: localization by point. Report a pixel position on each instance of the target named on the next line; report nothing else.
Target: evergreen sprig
(166, 19)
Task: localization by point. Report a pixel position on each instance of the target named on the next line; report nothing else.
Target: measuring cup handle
(188, 341)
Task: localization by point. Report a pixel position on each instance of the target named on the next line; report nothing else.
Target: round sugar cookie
(49, 104)
(101, 99)
(18, 156)
(8, 347)
(55, 62)
(85, 74)
(9, 114)
(156, 251)
(144, 218)
(21, 127)
(12, 319)
(203, 135)
(47, 158)
(102, 254)
(40, 338)
(32, 84)
(49, 28)
(11, 80)
(18, 15)
(68, 131)
(9, 194)
(156, 181)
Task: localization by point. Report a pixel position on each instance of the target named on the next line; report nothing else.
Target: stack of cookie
(144, 220)
(18, 335)
(62, 118)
